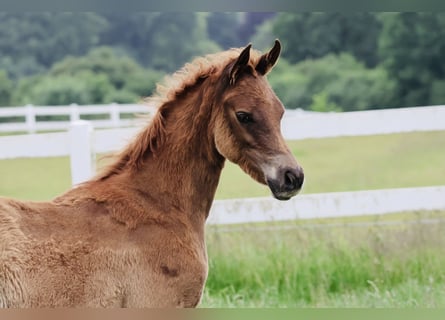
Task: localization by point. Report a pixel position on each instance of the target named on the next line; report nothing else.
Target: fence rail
(29, 118)
(297, 124)
(304, 124)
(327, 205)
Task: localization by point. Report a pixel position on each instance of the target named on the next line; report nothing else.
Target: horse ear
(239, 65)
(268, 60)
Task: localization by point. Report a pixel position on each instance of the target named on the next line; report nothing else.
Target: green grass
(34, 179)
(330, 266)
(333, 164)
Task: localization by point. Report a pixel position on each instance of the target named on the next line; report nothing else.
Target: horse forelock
(167, 95)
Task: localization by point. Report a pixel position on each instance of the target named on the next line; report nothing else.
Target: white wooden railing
(297, 124)
(328, 205)
(81, 142)
(26, 119)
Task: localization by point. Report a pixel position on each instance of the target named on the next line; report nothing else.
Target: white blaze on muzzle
(283, 176)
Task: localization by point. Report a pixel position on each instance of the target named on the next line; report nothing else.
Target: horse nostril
(293, 180)
(289, 178)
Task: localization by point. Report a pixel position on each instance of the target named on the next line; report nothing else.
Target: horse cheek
(226, 146)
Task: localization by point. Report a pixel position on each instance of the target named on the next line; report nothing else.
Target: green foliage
(412, 47)
(23, 92)
(19, 67)
(59, 91)
(163, 41)
(251, 22)
(320, 103)
(183, 36)
(346, 82)
(99, 77)
(5, 89)
(222, 27)
(143, 82)
(314, 35)
(101, 60)
(121, 96)
(264, 36)
(362, 89)
(437, 92)
(32, 42)
(404, 50)
(86, 88)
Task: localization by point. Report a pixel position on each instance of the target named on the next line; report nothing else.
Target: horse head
(247, 124)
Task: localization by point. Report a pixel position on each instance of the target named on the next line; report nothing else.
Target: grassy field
(334, 164)
(329, 265)
(34, 179)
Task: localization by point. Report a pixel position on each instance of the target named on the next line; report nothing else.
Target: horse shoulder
(13, 291)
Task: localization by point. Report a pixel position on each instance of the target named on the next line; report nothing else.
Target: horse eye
(244, 117)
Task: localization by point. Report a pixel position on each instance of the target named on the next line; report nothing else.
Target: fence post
(82, 156)
(114, 115)
(74, 112)
(30, 118)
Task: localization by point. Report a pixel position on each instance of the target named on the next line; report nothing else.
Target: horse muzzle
(286, 183)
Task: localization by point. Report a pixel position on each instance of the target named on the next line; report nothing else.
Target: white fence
(297, 124)
(81, 143)
(328, 205)
(300, 124)
(26, 119)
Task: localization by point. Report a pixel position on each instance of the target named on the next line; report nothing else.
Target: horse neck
(183, 173)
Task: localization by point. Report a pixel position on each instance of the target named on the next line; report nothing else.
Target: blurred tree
(121, 96)
(412, 49)
(222, 27)
(99, 77)
(359, 88)
(163, 41)
(290, 86)
(18, 67)
(314, 35)
(143, 82)
(100, 60)
(5, 89)
(32, 42)
(321, 103)
(343, 80)
(85, 88)
(264, 36)
(131, 33)
(250, 23)
(409, 68)
(437, 93)
(122, 72)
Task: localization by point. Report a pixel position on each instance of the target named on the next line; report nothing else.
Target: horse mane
(176, 85)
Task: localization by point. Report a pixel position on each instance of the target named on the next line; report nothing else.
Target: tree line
(330, 61)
